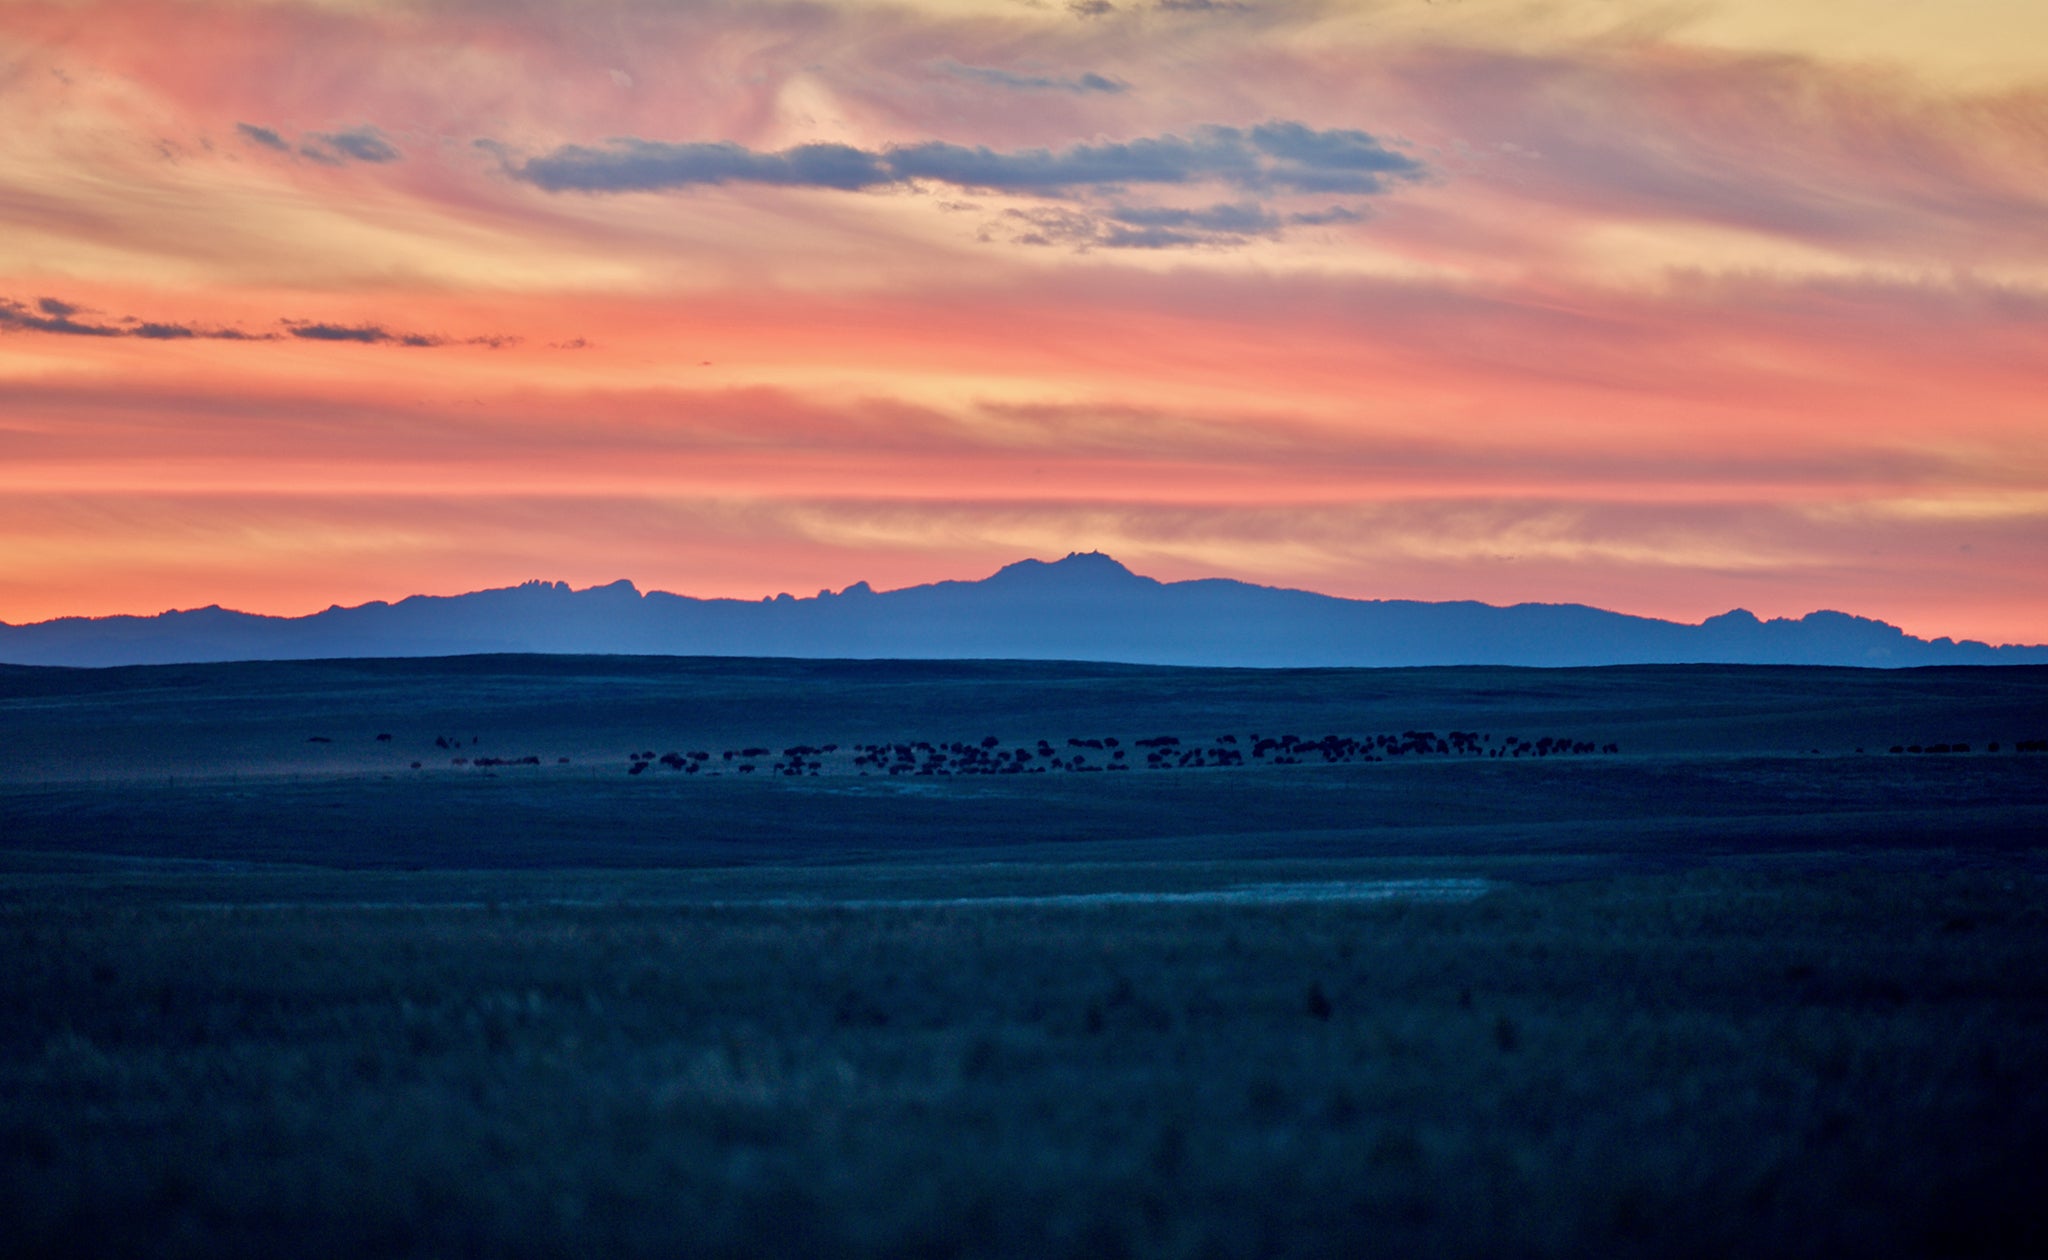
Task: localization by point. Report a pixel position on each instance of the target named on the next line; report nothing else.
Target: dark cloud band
(1274, 157)
(52, 315)
(648, 166)
(378, 335)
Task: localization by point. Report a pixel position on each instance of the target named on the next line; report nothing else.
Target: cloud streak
(263, 137)
(328, 148)
(1117, 226)
(1863, 160)
(1079, 84)
(378, 335)
(50, 315)
(363, 144)
(55, 316)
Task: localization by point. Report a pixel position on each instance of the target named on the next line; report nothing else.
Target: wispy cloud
(362, 144)
(1155, 227)
(1079, 84)
(329, 148)
(1858, 159)
(263, 136)
(1244, 216)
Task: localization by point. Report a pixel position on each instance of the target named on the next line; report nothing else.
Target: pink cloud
(1850, 156)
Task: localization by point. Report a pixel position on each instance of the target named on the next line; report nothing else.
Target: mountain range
(1084, 607)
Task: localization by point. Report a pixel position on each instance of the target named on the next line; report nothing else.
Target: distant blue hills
(1084, 607)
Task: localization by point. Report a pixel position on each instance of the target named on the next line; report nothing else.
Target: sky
(1666, 308)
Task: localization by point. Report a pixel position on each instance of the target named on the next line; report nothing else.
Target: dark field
(1733, 987)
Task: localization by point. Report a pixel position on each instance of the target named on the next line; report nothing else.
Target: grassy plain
(1737, 988)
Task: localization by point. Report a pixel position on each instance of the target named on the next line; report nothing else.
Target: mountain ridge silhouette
(1085, 606)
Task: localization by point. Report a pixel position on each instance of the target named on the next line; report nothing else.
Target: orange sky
(1667, 311)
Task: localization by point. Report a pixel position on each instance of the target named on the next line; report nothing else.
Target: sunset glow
(1664, 310)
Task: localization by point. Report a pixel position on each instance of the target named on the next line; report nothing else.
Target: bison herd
(2019, 745)
(1106, 754)
(988, 755)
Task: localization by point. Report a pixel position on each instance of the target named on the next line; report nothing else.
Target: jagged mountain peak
(1734, 618)
(1076, 566)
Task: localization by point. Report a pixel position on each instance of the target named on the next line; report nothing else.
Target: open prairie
(656, 956)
